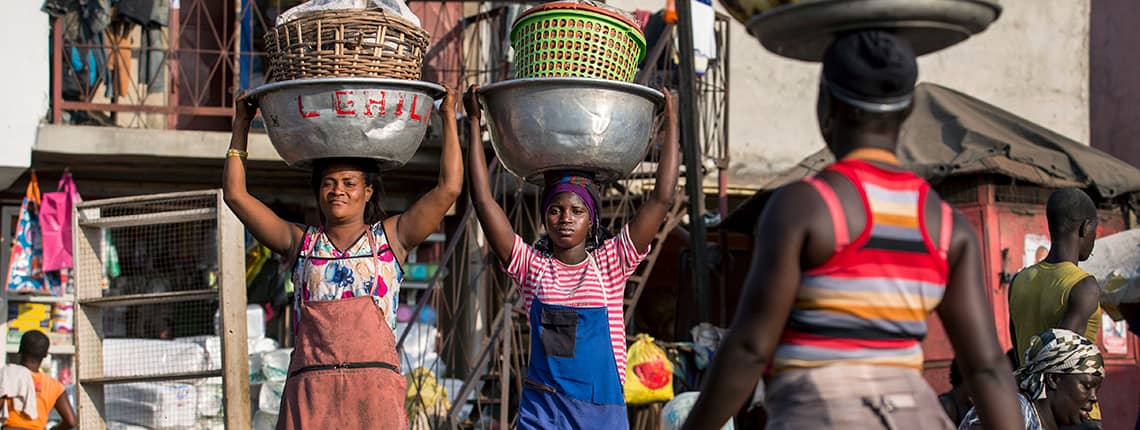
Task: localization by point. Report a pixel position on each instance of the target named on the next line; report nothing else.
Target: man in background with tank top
(848, 265)
(1055, 293)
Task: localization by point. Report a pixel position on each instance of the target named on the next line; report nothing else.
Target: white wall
(26, 76)
(1033, 62)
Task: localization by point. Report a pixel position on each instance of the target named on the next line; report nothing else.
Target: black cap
(872, 70)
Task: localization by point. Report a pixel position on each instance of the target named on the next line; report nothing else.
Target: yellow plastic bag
(649, 376)
(425, 395)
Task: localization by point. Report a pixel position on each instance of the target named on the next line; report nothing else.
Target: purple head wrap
(571, 184)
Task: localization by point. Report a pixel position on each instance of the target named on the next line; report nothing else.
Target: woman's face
(344, 192)
(1073, 396)
(567, 221)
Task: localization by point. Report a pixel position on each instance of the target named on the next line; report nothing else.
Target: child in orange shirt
(49, 392)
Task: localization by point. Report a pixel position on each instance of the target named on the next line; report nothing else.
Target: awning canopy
(952, 134)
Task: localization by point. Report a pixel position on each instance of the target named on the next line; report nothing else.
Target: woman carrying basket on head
(573, 285)
(344, 371)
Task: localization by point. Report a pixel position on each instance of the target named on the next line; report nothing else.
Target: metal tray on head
(541, 125)
(380, 119)
(804, 30)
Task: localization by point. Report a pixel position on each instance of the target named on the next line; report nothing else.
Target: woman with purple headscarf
(573, 285)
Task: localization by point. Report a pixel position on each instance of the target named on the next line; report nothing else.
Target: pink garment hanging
(55, 221)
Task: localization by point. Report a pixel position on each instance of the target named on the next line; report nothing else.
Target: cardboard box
(22, 325)
(36, 308)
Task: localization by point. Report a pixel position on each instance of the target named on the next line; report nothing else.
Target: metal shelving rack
(10, 297)
(226, 241)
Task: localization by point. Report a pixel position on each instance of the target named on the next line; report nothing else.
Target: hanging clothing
(55, 222)
(58, 8)
(144, 12)
(25, 262)
(578, 352)
(111, 267)
(96, 15)
(153, 60)
(86, 58)
(119, 39)
(94, 19)
(344, 372)
(151, 16)
(333, 274)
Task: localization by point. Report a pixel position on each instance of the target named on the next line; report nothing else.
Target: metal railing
(174, 70)
(182, 67)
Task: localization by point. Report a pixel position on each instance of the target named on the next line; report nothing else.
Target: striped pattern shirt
(868, 304)
(579, 285)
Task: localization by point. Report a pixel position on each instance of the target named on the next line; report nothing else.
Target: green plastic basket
(576, 43)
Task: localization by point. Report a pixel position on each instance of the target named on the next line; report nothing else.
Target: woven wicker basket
(346, 43)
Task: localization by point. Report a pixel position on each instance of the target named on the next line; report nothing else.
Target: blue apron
(572, 381)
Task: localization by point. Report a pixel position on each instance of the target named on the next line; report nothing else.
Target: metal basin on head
(804, 29)
(380, 119)
(541, 125)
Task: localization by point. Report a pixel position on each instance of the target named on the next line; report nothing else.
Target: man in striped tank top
(848, 265)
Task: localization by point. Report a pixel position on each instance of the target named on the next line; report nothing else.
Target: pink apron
(344, 372)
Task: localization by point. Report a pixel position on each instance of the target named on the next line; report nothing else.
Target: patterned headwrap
(577, 185)
(581, 185)
(1057, 351)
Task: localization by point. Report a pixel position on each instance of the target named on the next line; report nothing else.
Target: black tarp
(952, 134)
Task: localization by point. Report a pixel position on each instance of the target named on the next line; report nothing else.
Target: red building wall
(1006, 229)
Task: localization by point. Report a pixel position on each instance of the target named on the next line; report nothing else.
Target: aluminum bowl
(381, 119)
(540, 125)
(804, 30)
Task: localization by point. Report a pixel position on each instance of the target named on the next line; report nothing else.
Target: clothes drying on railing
(152, 16)
(83, 27)
(99, 49)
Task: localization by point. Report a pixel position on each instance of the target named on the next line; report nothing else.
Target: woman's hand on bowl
(245, 108)
(471, 103)
(450, 101)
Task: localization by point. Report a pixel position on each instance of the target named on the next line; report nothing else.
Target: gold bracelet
(237, 153)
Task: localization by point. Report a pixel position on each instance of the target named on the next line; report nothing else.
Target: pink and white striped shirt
(558, 283)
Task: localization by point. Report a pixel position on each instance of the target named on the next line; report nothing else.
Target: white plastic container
(254, 322)
(153, 405)
(264, 421)
(211, 344)
(270, 399)
(133, 357)
(275, 365)
(212, 399)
